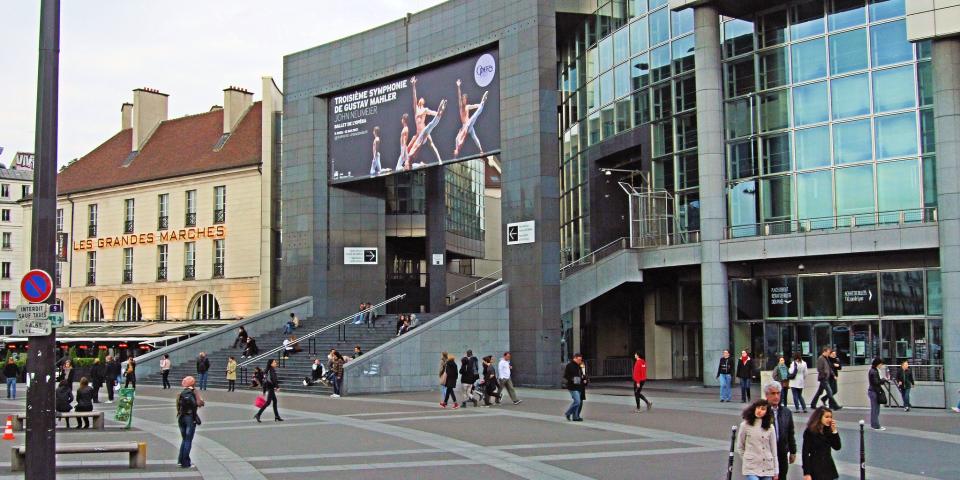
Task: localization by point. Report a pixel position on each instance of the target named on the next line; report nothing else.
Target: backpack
(793, 374)
(186, 403)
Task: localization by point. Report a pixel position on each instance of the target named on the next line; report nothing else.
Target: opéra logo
(485, 69)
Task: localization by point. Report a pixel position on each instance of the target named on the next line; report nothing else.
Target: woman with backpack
(271, 383)
(796, 375)
(188, 403)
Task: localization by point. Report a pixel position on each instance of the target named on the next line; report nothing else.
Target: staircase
(293, 369)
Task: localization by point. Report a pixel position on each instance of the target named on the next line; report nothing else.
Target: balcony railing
(190, 220)
(189, 272)
(128, 226)
(163, 222)
(91, 231)
(860, 220)
(219, 216)
(623, 243)
(128, 276)
(161, 274)
(91, 278)
(218, 270)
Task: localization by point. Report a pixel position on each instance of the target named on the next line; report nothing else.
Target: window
(858, 294)
(810, 104)
(91, 310)
(806, 19)
(128, 310)
(219, 254)
(59, 219)
(812, 147)
(902, 292)
(92, 220)
(850, 96)
(809, 60)
(819, 296)
(6, 240)
(848, 51)
(128, 215)
(163, 211)
(161, 307)
(91, 268)
(776, 153)
(898, 187)
(189, 260)
(5, 300)
(773, 69)
(815, 197)
(191, 209)
(889, 92)
(889, 43)
(851, 142)
(846, 13)
(896, 135)
(855, 192)
(205, 307)
(162, 259)
(219, 204)
(5, 214)
(659, 26)
(24, 191)
(5, 270)
(5, 190)
(638, 36)
(883, 9)
(128, 265)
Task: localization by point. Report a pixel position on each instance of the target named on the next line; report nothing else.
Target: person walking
(64, 400)
(231, 374)
(797, 381)
(272, 384)
(203, 366)
(745, 372)
(783, 427)
(84, 402)
(112, 370)
(489, 380)
(336, 366)
(469, 373)
(130, 375)
(825, 373)
(505, 374)
(757, 443)
(639, 378)
(725, 372)
(818, 438)
(573, 382)
(835, 367)
(188, 403)
(450, 382)
(165, 369)
(905, 383)
(11, 371)
(442, 375)
(241, 338)
(875, 393)
(782, 374)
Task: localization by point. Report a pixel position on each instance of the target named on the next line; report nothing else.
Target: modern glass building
(771, 176)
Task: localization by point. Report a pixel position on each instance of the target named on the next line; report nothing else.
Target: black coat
(85, 399)
(113, 369)
(270, 378)
(64, 398)
(469, 370)
(817, 461)
(97, 372)
(451, 370)
(725, 366)
(573, 378)
(874, 381)
(786, 439)
(203, 364)
(746, 371)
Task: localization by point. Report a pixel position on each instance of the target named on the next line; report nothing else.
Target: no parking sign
(36, 286)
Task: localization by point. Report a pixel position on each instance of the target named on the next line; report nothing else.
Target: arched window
(128, 310)
(91, 310)
(204, 307)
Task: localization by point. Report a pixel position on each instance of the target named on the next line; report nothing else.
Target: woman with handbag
(272, 384)
(797, 375)
(449, 378)
(875, 393)
(442, 376)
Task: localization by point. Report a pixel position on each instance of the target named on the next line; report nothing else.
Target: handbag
(443, 378)
(260, 401)
(881, 397)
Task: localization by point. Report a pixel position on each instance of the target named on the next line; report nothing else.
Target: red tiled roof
(181, 146)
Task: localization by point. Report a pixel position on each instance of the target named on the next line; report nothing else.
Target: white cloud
(188, 49)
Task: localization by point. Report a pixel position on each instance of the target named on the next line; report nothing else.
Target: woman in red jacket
(639, 378)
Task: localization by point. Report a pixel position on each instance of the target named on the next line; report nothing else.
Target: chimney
(149, 109)
(236, 101)
(126, 116)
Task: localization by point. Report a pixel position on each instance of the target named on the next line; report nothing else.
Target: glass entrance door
(686, 352)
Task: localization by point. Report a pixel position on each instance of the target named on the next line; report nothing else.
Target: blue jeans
(905, 393)
(798, 402)
(874, 409)
(573, 411)
(11, 387)
(726, 393)
(202, 380)
(187, 428)
(744, 389)
(754, 477)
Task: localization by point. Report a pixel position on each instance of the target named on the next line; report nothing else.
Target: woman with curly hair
(757, 442)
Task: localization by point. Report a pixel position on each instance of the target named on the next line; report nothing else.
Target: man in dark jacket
(469, 373)
(575, 382)
(203, 365)
(825, 373)
(783, 427)
(112, 371)
(97, 376)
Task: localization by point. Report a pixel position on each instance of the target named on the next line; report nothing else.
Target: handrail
(494, 277)
(623, 243)
(857, 220)
(320, 330)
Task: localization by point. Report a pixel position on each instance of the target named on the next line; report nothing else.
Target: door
(687, 349)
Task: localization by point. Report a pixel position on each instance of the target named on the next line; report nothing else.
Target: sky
(188, 49)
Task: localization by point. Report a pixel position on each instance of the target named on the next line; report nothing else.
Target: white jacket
(758, 447)
(801, 369)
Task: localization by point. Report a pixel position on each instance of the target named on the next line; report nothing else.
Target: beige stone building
(174, 219)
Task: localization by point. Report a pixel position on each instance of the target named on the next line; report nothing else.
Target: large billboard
(440, 114)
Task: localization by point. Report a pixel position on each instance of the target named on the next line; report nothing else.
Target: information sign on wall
(521, 232)
(360, 256)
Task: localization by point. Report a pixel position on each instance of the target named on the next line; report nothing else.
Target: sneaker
(955, 409)
(443, 405)
(334, 396)
(456, 405)
(649, 406)
(880, 429)
(578, 419)
(637, 410)
(518, 402)
(838, 407)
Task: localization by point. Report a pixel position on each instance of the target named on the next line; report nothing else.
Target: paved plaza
(402, 436)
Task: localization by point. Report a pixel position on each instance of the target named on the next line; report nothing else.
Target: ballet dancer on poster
(423, 128)
(468, 120)
(403, 163)
(375, 167)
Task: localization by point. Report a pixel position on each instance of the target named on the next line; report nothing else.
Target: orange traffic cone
(8, 432)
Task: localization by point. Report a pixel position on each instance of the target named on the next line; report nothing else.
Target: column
(946, 111)
(436, 239)
(713, 214)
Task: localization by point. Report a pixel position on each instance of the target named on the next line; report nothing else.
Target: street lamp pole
(40, 433)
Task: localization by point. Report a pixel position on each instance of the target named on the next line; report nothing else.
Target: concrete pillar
(713, 213)
(436, 239)
(946, 111)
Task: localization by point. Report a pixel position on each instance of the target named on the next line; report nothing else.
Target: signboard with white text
(521, 232)
(360, 256)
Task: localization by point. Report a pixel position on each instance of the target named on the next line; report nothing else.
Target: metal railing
(860, 220)
(189, 272)
(127, 276)
(91, 278)
(921, 373)
(190, 219)
(219, 216)
(128, 226)
(475, 288)
(161, 274)
(163, 222)
(610, 367)
(218, 270)
(92, 231)
(623, 243)
(310, 337)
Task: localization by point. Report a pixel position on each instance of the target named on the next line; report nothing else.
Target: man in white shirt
(504, 369)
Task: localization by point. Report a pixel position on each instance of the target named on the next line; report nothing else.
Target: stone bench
(96, 417)
(137, 451)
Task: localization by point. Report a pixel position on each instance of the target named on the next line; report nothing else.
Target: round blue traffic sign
(36, 286)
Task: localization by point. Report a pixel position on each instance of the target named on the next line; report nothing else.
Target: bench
(137, 451)
(96, 419)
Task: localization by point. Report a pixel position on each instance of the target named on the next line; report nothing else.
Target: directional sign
(360, 255)
(34, 311)
(56, 315)
(36, 286)
(31, 328)
(520, 232)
